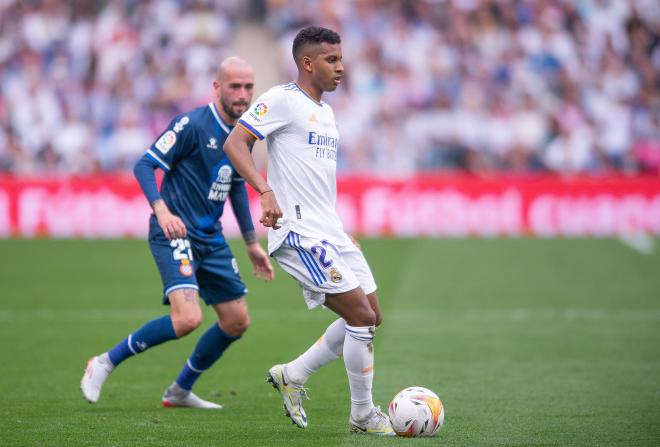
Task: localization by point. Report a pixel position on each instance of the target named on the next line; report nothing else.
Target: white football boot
(175, 396)
(292, 394)
(377, 423)
(97, 371)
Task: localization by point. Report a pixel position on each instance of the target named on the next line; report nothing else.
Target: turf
(528, 342)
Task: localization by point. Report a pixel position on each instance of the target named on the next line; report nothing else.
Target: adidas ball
(416, 412)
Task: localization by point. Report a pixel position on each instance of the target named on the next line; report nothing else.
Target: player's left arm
(261, 266)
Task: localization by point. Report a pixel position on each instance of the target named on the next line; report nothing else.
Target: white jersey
(302, 140)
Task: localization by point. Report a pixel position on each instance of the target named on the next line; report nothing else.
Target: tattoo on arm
(189, 295)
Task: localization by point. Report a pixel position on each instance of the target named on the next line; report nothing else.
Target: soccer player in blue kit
(186, 240)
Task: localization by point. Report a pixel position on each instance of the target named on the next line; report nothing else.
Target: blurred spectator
(569, 86)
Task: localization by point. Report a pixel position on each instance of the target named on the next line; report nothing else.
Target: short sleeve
(268, 114)
(172, 143)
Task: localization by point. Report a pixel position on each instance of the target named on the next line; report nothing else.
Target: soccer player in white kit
(306, 236)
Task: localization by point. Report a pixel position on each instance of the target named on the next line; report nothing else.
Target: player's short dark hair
(313, 35)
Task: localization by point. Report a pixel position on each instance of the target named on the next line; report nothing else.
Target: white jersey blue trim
(293, 86)
(302, 149)
(255, 133)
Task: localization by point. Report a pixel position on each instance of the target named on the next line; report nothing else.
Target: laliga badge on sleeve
(259, 111)
(185, 268)
(166, 142)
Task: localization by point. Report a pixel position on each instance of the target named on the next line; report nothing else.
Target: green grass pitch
(528, 343)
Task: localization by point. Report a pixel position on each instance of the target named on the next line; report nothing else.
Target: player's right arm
(268, 115)
(237, 148)
(172, 225)
(163, 154)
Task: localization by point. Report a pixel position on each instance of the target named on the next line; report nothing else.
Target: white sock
(328, 348)
(359, 361)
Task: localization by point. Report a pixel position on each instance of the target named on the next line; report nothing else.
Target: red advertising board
(112, 206)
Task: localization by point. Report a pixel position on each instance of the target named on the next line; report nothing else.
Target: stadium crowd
(88, 86)
(476, 85)
(558, 85)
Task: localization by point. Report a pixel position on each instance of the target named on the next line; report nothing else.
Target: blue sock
(153, 333)
(209, 349)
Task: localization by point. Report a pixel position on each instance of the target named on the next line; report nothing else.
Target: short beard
(230, 111)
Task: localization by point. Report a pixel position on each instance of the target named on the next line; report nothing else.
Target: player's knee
(373, 303)
(370, 318)
(185, 324)
(236, 326)
(364, 316)
(243, 325)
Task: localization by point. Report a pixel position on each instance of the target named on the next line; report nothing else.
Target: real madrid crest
(335, 276)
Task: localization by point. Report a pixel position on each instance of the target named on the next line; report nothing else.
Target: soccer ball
(416, 412)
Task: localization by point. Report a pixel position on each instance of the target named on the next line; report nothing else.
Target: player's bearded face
(234, 107)
(235, 94)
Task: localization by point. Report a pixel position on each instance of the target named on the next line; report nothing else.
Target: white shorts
(321, 267)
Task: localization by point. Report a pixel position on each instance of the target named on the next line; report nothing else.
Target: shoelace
(379, 414)
(302, 391)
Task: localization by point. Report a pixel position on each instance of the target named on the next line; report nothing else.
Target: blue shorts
(183, 263)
